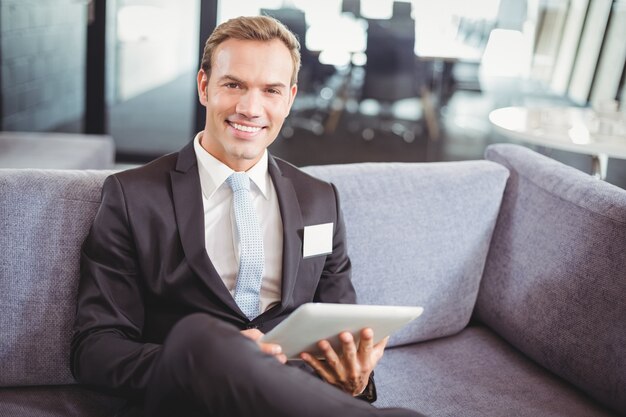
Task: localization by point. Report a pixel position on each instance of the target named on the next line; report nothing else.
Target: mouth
(244, 128)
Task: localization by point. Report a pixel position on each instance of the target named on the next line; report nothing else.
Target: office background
(381, 80)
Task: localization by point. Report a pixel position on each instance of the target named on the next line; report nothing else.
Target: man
(184, 270)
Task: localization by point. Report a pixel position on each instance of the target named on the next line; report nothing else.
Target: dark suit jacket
(144, 266)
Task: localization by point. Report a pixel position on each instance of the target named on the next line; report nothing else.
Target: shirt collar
(213, 173)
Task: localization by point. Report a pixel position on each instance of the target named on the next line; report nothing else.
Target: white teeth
(243, 128)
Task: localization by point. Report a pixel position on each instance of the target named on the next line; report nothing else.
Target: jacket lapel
(187, 196)
(293, 227)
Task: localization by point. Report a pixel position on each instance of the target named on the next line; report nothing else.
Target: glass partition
(152, 65)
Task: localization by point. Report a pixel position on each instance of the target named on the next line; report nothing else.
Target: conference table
(573, 129)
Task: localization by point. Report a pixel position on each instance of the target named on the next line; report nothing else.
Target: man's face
(247, 97)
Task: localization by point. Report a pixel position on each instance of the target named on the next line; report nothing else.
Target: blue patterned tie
(251, 258)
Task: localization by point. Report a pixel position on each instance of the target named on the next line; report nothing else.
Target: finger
(332, 359)
(366, 344)
(254, 334)
(350, 359)
(271, 348)
(317, 365)
(379, 348)
(282, 358)
(382, 344)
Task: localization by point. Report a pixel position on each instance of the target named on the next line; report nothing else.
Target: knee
(199, 324)
(201, 332)
(199, 338)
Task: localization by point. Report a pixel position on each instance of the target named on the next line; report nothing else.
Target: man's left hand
(268, 348)
(351, 369)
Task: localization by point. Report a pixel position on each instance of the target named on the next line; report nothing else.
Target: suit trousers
(207, 368)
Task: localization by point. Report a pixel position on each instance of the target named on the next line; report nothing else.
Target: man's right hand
(268, 348)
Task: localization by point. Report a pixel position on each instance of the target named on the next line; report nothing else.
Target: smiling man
(194, 256)
(247, 91)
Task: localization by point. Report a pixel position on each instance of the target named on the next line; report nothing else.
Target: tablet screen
(312, 322)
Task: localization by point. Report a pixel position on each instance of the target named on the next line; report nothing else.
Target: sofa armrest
(555, 280)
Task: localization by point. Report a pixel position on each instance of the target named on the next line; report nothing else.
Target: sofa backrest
(418, 234)
(555, 280)
(44, 218)
(405, 223)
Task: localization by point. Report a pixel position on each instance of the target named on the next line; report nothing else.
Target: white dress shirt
(220, 229)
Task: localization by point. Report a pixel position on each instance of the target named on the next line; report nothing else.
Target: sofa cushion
(44, 218)
(59, 401)
(418, 234)
(555, 280)
(475, 374)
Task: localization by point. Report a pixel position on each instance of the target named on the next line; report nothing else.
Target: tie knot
(239, 181)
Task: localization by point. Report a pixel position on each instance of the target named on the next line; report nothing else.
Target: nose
(250, 104)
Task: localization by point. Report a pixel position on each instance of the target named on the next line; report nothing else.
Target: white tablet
(312, 322)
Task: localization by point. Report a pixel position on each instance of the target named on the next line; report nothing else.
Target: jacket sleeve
(335, 285)
(106, 347)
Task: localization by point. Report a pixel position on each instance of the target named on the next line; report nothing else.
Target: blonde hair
(257, 28)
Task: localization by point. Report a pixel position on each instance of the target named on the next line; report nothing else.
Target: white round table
(572, 129)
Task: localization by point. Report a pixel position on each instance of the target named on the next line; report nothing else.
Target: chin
(247, 154)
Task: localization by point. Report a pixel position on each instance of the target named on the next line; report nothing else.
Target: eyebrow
(240, 81)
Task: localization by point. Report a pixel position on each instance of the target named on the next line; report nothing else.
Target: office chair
(310, 108)
(401, 10)
(394, 79)
(351, 6)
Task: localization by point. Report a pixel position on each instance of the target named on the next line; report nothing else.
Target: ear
(203, 83)
(292, 95)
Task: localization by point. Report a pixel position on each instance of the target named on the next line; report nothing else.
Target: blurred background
(381, 80)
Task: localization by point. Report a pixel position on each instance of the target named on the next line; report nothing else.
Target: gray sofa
(518, 260)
